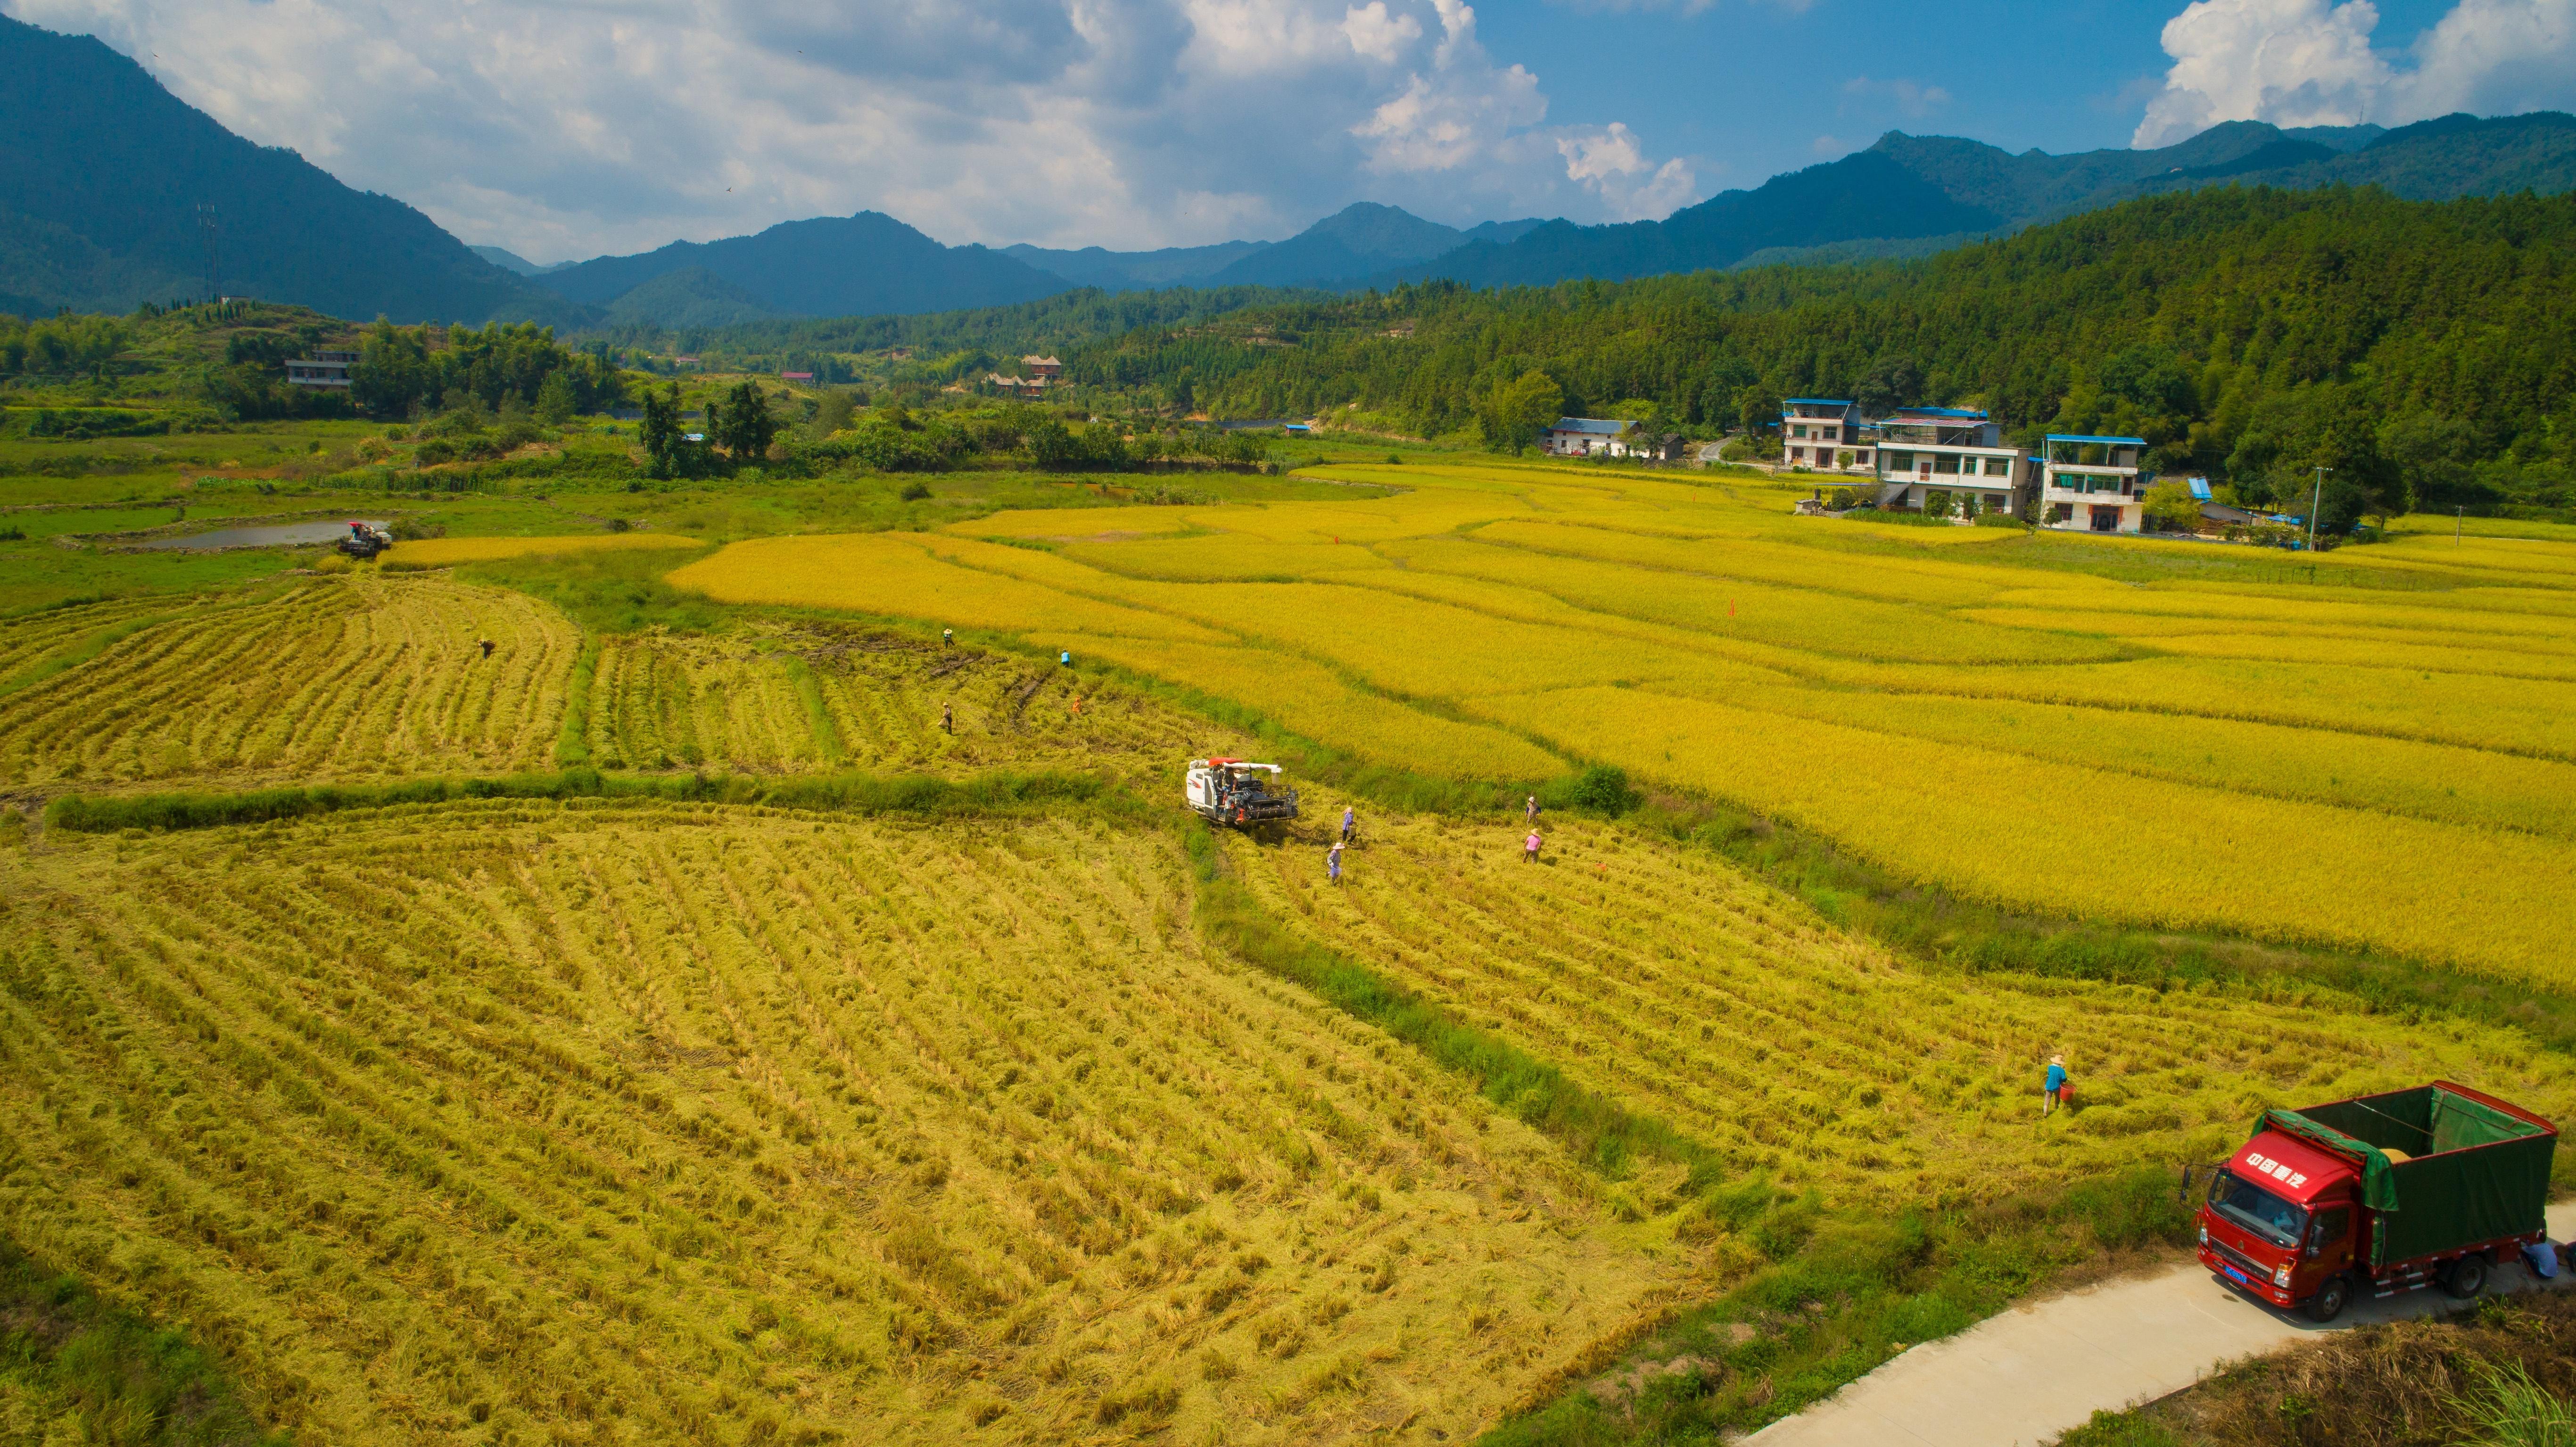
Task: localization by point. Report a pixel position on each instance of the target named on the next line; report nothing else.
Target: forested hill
(2249, 333)
(103, 175)
(1911, 195)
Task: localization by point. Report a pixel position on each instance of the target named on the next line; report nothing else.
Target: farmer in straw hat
(2052, 1092)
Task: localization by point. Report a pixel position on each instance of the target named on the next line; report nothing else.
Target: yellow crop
(2096, 843)
(1668, 980)
(1316, 702)
(657, 1124)
(334, 679)
(443, 552)
(748, 702)
(891, 574)
(2420, 730)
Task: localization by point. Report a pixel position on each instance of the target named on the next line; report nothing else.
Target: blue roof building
(2091, 483)
(1824, 434)
(1584, 436)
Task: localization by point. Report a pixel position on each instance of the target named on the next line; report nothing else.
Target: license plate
(2236, 1276)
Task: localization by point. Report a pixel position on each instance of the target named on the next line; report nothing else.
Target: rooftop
(1597, 425)
(1815, 402)
(1965, 414)
(2106, 441)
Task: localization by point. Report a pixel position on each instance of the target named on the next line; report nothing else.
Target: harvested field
(656, 1123)
(326, 679)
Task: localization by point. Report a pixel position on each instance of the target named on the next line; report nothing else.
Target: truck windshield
(2250, 1206)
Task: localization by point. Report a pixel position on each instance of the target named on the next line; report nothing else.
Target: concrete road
(2021, 1378)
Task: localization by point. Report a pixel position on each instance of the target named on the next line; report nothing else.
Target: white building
(1584, 436)
(2092, 483)
(1955, 451)
(1825, 434)
(322, 369)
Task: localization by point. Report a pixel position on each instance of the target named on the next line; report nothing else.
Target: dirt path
(2021, 1378)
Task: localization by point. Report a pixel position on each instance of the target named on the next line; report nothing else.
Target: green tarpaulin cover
(2477, 1173)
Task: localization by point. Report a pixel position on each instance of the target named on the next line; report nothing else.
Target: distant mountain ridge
(1353, 243)
(103, 175)
(860, 265)
(1912, 194)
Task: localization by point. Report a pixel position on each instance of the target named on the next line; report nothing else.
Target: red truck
(2380, 1193)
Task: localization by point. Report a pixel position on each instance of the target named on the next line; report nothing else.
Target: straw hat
(2057, 1060)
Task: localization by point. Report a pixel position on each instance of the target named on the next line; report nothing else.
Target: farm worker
(948, 718)
(1529, 848)
(1065, 657)
(1350, 824)
(2053, 1090)
(947, 637)
(1333, 863)
(1529, 810)
(486, 645)
(1077, 708)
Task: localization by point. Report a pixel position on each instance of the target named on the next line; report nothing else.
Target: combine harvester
(2433, 1185)
(1238, 794)
(365, 541)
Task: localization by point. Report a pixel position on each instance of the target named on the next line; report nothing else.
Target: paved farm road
(2019, 1379)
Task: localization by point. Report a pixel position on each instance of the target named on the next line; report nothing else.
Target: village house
(2091, 483)
(1045, 369)
(1826, 434)
(1584, 436)
(1951, 458)
(322, 369)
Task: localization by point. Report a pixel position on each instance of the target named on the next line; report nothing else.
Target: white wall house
(1584, 436)
(1957, 452)
(2092, 483)
(322, 369)
(1825, 434)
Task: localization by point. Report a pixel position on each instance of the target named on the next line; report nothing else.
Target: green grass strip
(70, 1359)
(1595, 1129)
(998, 792)
(809, 690)
(572, 745)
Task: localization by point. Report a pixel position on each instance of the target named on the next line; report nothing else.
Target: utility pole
(212, 226)
(2316, 500)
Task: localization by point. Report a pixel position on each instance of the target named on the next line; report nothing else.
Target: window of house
(1799, 431)
(1998, 467)
(1946, 463)
(2059, 512)
(1900, 462)
(1797, 454)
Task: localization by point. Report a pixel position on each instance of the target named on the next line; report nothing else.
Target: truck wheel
(2331, 1298)
(2467, 1277)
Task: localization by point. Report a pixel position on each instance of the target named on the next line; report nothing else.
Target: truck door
(2329, 1247)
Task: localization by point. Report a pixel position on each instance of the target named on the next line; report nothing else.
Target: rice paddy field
(638, 1117)
(2157, 733)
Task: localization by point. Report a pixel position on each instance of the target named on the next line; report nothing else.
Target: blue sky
(565, 129)
(2066, 77)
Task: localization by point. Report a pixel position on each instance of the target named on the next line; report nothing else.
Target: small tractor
(1239, 794)
(365, 542)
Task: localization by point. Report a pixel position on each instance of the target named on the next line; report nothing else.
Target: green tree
(742, 423)
(557, 400)
(2171, 508)
(1518, 411)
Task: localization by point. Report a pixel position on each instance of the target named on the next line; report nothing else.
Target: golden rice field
(327, 678)
(448, 552)
(1668, 979)
(2370, 748)
(590, 1123)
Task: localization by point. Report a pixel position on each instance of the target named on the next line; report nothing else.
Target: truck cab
(2280, 1220)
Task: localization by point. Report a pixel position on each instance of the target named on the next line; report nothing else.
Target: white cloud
(2311, 62)
(1615, 167)
(568, 128)
(1377, 35)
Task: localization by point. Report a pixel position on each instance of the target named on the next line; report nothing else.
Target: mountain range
(107, 175)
